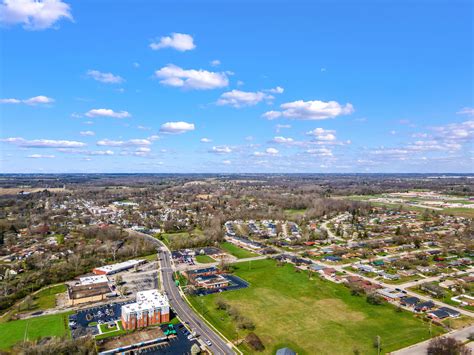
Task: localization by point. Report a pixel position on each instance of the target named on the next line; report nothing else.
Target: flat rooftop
(119, 266)
(96, 279)
(147, 300)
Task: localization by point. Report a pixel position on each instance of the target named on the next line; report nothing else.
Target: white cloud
(10, 101)
(107, 78)
(128, 143)
(215, 63)
(136, 65)
(282, 140)
(237, 98)
(40, 156)
(36, 100)
(276, 90)
(322, 134)
(43, 143)
(99, 152)
(223, 149)
(85, 152)
(271, 151)
(105, 112)
(311, 110)
(279, 127)
(154, 137)
(179, 41)
(226, 162)
(466, 111)
(271, 115)
(33, 14)
(206, 140)
(87, 133)
(321, 152)
(199, 79)
(177, 127)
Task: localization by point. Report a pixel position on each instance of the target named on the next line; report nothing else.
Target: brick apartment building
(151, 307)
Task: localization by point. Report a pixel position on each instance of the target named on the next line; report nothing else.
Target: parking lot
(145, 279)
(80, 321)
(179, 344)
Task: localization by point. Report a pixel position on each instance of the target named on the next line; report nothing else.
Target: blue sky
(236, 86)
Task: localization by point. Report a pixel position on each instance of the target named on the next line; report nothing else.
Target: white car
(208, 342)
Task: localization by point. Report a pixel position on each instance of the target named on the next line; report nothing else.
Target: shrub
(254, 341)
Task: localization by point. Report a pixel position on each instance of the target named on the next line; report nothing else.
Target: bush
(447, 346)
(374, 299)
(245, 323)
(254, 341)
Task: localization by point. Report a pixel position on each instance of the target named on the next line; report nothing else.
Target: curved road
(180, 306)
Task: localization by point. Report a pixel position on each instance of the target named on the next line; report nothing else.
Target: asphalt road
(181, 308)
(422, 348)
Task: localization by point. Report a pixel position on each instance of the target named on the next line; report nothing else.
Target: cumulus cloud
(43, 143)
(267, 152)
(271, 115)
(40, 156)
(276, 90)
(177, 127)
(320, 152)
(215, 63)
(194, 79)
(10, 101)
(311, 110)
(223, 149)
(107, 78)
(466, 111)
(180, 41)
(120, 143)
(282, 140)
(36, 100)
(106, 112)
(85, 152)
(32, 14)
(226, 162)
(322, 134)
(237, 98)
(87, 133)
(206, 140)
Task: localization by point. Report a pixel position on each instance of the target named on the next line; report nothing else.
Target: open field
(310, 316)
(294, 211)
(236, 251)
(33, 328)
(16, 190)
(459, 211)
(204, 259)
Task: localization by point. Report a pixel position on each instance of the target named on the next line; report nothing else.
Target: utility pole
(378, 344)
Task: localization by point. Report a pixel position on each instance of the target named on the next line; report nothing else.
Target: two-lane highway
(180, 306)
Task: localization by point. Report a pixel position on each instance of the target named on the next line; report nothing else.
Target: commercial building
(89, 289)
(151, 307)
(114, 268)
(211, 282)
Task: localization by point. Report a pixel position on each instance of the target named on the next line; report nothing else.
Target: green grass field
(204, 259)
(294, 211)
(236, 251)
(310, 316)
(33, 328)
(107, 333)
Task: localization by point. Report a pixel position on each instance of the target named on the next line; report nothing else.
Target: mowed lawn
(311, 316)
(34, 328)
(236, 251)
(204, 259)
